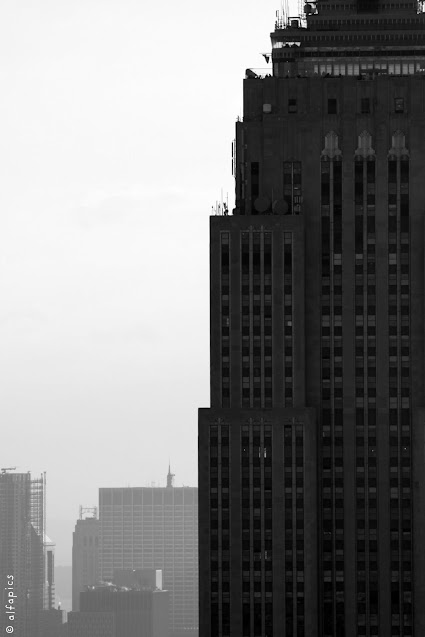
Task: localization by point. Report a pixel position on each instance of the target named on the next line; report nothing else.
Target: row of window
(399, 392)
(256, 516)
(365, 107)
(294, 527)
(220, 528)
(332, 523)
(256, 319)
(366, 465)
(225, 318)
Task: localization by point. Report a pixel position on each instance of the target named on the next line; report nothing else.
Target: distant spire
(170, 476)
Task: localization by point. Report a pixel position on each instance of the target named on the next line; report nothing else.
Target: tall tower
(155, 528)
(311, 456)
(22, 523)
(49, 573)
(85, 554)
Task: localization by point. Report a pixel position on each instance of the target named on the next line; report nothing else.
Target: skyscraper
(155, 528)
(49, 573)
(311, 457)
(22, 523)
(85, 554)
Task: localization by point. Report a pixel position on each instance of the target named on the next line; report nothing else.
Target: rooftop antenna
(285, 11)
(170, 476)
(88, 512)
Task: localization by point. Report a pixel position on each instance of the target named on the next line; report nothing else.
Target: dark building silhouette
(51, 623)
(22, 523)
(85, 554)
(155, 528)
(311, 457)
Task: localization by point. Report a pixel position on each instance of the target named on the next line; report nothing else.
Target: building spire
(170, 476)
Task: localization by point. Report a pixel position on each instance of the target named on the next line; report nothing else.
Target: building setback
(311, 456)
(154, 528)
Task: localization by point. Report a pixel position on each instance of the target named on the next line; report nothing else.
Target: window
(292, 105)
(365, 105)
(332, 106)
(399, 104)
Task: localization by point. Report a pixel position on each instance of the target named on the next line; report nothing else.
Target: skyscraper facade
(154, 528)
(49, 573)
(85, 554)
(311, 457)
(22, 523)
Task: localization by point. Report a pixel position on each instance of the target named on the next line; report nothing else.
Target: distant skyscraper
(49, 572)
(22, 522)
(311, 457)
(157, 528)
(85, 554)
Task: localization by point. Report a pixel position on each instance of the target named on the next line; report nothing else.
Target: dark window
(399, 104)
(255, 180)
(292, 106)
(365, 105)
(332, 106)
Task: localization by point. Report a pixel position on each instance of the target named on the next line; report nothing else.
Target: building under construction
(22, 524)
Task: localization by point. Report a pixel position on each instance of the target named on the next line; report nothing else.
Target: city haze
(118, 119)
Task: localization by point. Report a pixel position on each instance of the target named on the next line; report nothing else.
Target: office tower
(120, 612)
(311, 457)
(49, 571)
(22, 522)
(85, 554)
(155, 528)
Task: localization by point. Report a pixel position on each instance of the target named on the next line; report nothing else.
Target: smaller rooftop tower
(170, 477)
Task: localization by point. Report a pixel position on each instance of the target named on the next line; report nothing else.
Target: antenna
(170, 476)
(300, 8)
(88, 512)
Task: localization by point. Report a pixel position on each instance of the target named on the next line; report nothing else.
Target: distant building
(49, 572)
(112, 611)
(156, 528)
(63, 587)
(85, 554)
(22, 514)
(51, 623)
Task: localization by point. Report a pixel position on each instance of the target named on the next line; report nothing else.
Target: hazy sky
(117, 118)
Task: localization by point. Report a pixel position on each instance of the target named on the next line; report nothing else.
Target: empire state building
(312, 454)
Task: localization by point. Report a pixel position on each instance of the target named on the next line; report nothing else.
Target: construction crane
(4, 469)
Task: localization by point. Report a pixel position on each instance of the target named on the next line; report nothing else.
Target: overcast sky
(117, 118)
